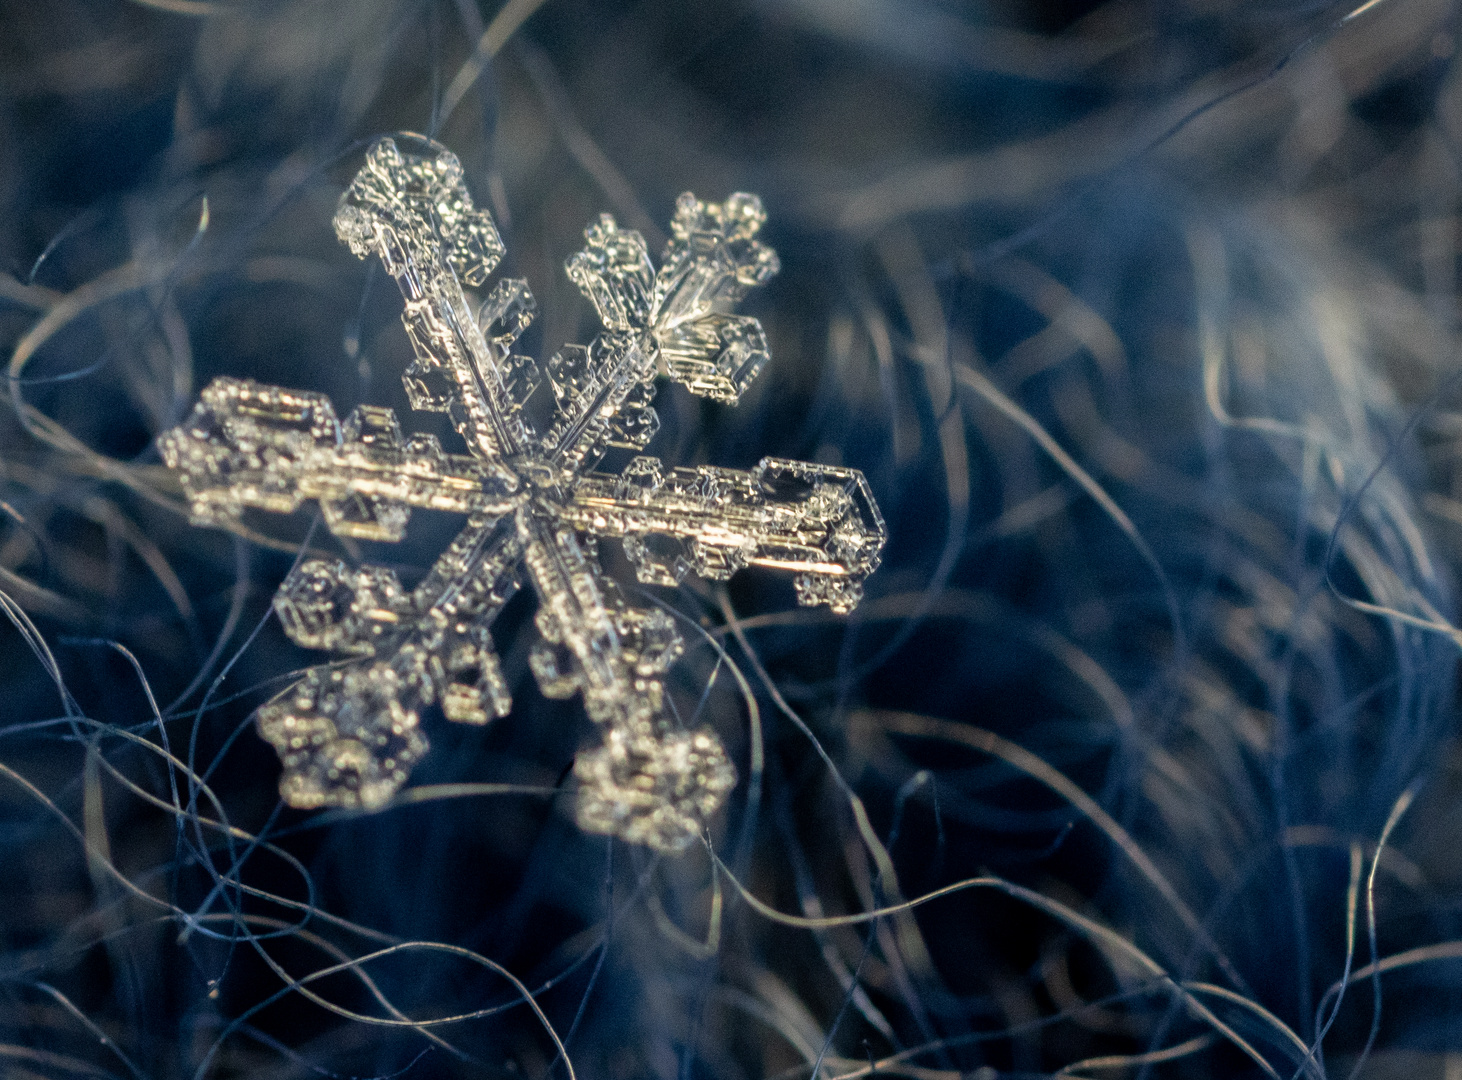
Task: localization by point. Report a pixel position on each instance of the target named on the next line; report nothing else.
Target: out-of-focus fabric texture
(1138, 756)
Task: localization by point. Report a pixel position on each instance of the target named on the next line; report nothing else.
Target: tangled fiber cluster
(1138, 756)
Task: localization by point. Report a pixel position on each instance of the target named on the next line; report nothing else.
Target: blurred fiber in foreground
(1141, 319)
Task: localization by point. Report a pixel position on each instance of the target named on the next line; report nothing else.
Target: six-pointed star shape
(348, 732)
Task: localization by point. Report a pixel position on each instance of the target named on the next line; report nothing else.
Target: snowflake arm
(817, 521)
(672, 322)
(348, 734)
(415, 213)
(247, 444)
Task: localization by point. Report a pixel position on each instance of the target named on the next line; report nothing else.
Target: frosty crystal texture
(349, 731)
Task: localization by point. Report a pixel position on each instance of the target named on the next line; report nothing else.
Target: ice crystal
(349, 732)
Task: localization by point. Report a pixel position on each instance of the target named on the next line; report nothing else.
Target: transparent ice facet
(653, 791)
(348, 732)
(327, 605)
(347, 736)
(507, 312)
(614, 272)
(712, 258)
(716, 356)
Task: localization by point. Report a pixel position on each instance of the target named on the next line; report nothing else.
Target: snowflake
(348, 732)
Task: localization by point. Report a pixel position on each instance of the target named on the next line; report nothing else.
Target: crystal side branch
(348, 732)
